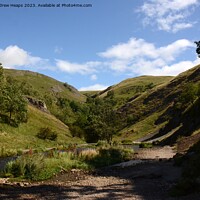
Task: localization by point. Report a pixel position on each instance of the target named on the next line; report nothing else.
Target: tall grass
(4, 152)
(42, 166)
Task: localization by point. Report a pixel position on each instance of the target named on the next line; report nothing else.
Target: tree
(2, 85)
(198, 48)
(1, 74)
(13, 102)
(98, 121)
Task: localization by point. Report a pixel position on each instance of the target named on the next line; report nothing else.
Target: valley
(153, 112)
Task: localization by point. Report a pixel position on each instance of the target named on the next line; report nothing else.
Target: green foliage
(76, 131)
(131, 88)
(4, 152)
(127, 141)
(27, 166)
(198, 48)
(131, 119)
(47, 133)
(145, 145)
(97, 120)
(1, 77)
(2, 82)
(12, 102)
(56, 95)
(102, 143)
(189, 94)
(110, 156)
(149, 86)
(110, 94)
(24, 137)
(44, 166)
(74, 106)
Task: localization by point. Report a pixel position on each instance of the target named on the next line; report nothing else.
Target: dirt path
(146, 181)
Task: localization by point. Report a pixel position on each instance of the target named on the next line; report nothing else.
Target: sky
(98, 43)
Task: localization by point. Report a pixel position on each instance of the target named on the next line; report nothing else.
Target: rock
(3, 180)
(75, 170)
(38, 104)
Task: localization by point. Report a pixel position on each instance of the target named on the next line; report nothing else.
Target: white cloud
(168, 15)
(134, 47)
(139, 48)
(171, 51)
(149, 68)
(93, 77)
(13, 56)
(119, 65)
(86, 68)
(95, 87)
(142, 57)
(181, 26)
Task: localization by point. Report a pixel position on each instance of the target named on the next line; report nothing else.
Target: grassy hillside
(24, 136)
(146, 105)
(42, 84)
(60, 98)
(158, 108)
(131, 88)
(89, 93)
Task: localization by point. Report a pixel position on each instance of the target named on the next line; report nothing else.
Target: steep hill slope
(45, 85)
(61, 99)
(157, 109)
(131, 88)
(24, 136)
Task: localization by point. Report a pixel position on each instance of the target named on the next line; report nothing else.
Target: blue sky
(95, 47)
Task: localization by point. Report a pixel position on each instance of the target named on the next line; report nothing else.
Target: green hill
(61, 98)
(146, 106)
(131, 88)
(62, 101)
(42, 84)
(159, 110)
(24, 136)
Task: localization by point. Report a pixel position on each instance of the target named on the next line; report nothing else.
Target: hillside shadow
(146, 181)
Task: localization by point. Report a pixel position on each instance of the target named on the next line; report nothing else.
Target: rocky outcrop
(38, 104)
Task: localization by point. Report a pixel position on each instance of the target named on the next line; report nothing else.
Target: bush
(47, 133)
(26, 167)
(116, 143)
(110, 156)
(102, 143)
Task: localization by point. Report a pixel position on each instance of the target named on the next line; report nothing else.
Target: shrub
(47, 133)
(25, 166)
(14, 168)
(116, 143)
(102, 143)
(43, 166)
(110, 156)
